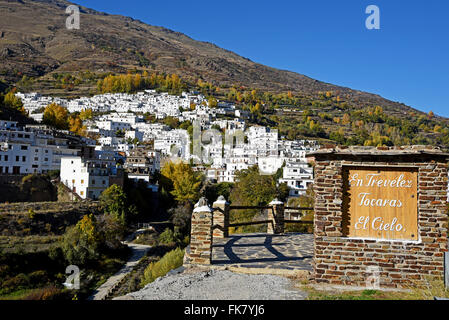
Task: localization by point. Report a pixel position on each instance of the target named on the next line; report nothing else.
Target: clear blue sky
(407, 60)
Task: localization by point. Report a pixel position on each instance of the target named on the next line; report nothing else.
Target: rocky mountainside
(34, 41)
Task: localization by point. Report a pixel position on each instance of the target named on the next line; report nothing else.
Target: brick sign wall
(380, 203)
(394, 223)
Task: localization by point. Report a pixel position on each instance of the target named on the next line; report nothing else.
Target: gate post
(220, 218)
(201, 234)
(277, 216)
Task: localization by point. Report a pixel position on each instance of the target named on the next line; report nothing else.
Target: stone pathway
(291, 251)
(138, 251)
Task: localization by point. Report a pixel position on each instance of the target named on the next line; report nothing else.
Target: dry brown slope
(34, 41)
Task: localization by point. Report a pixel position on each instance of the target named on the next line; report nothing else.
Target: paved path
(138, 251)
(291, 251)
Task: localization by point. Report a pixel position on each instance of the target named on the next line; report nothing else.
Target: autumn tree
(76, 126)
(91, 237)
(346, 119)
(86, 114)
(56, 116)
(179, 179)
(12, 101)
(254, 189)
(212, 102)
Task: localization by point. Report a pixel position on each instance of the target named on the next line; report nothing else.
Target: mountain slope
(34, 41)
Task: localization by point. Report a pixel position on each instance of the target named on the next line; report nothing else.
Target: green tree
(81, 243)
(253, 189)
(113, 200)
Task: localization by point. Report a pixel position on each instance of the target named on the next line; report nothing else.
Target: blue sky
(407, 60)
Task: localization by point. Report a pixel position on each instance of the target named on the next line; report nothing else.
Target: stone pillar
(276, 214)
(220, 221)
(201, 234)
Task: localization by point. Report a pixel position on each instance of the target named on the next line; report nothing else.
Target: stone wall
(200, 249)
(342, 261)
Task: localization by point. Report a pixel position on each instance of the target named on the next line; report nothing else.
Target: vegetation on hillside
(34, 267)
(131, 83)
(93, 244)
(11, 107)
(327, 116)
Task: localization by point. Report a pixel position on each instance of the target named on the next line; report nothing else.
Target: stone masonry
(276, 214)
(200, 251)
(221, 218)
(342, 261)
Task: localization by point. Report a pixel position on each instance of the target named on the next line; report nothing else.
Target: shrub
(38, 277)
(169, 261)
(300, 228)
(4, 271)
(81, 242)
(49, 293)
(186, 241)
(18, 282)
(181, 217)
(112, 231)
(148, 238)
(167, 237)
(31, 214)
(114, 201)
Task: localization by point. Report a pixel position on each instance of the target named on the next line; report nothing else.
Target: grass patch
(17, 295)
(298, 228)
(351, 295)
(428, 291)
(169, 261)
(28, 243)
(149, 238)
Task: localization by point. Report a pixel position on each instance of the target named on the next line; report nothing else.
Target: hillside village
(126, 142)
